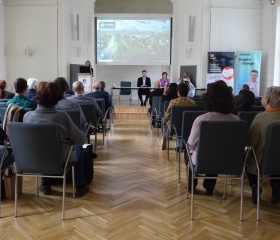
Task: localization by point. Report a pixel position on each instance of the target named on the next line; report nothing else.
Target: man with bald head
(78, 89)
(100, 94)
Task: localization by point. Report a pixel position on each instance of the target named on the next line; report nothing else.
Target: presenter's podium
(88, 81)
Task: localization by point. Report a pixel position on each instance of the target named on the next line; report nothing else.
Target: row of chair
(224, 156)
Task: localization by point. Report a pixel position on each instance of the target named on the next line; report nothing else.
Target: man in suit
(144, 84)
(100, 94)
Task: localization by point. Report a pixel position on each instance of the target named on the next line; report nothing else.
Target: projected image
(133, 42)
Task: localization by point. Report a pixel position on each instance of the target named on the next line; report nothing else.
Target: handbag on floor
(88, 163)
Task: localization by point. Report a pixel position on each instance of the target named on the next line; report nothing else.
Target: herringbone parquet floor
(136, 195)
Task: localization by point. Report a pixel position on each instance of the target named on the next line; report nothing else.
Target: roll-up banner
(248, 67)
(221, 67)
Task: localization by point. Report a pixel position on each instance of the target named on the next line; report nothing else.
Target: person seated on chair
(185, 79)
(169, 92)
(243, 101)
(48, 94)
(182, 99)
(158, 91)
(219, 102)
(144, 84)
(3, 93)
(65, 103)
(100, 94)
(78, 88)
(102, 88)
(31, 91)
(257, 136)
(19, 98)
(164, 80)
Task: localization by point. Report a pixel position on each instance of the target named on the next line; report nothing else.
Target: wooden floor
(136, 195)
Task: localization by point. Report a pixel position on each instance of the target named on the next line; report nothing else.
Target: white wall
(46, 26)
(35, 27)
(268, 46)
(2, 42)
(76, 51)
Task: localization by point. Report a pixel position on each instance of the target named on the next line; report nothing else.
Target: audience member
(245, 87)
(244, 100)
(164, 80)
(48, 95)
(19, 98)
(158, 91)
(67, 103)
(219, 103)
(3, 93)
(182, 99)
(170, 92)
(100, 94)
(31, 91)
(102, 88)
(257, 136)
(68, 91)
(78, 88)
(185, 79)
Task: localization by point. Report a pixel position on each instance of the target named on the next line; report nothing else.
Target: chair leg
(16, 195)
(225, 188)
(192, 198)
(241, 197)
(179, 166)
(73, 181)
(187, 180)
(63, 196)
(258, 198)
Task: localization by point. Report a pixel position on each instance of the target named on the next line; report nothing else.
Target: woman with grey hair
(31, 92)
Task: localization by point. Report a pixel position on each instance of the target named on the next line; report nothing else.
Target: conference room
(138, 190)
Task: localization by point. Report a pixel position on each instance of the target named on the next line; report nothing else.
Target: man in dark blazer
(100, 94)
(144, 84)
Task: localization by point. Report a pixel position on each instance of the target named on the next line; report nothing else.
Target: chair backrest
(125, 91)
(101, 104)
(221, 146)
(200, 104)
(270, 164)
(248, 116)
(176, 118)
(155, 104)
(187, 122)
(74, 115)
(165, 106)
(36, 147)
(2, 104)
(257, 108)
(89, 113)
(22, 112)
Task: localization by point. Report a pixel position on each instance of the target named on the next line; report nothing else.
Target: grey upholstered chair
(37, 153)
(89, 113)
(270, 164)
(176, 122)
(74, 115)
(220, 150)
(187, 122)
(248, 116)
